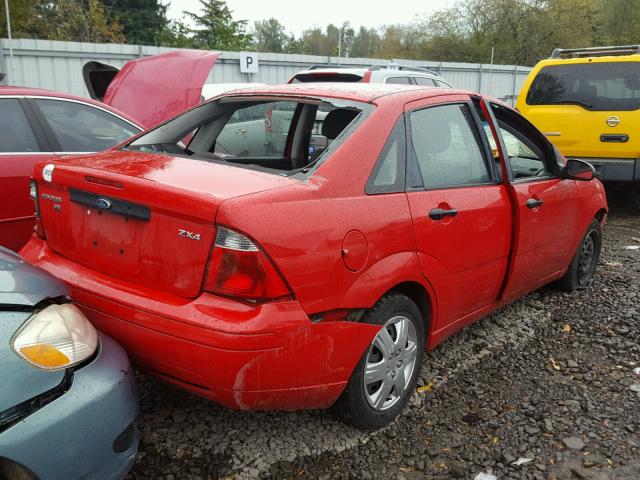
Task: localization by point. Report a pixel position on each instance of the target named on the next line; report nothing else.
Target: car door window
(388, 175)
(83, 128)
(447, 148)
(399, 80)
(16, 135)
(529, 155)
(425, 81)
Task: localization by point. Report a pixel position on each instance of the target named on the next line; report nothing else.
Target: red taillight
(33, 193)
(238, 268)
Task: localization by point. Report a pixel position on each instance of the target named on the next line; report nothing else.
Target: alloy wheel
(390, 363)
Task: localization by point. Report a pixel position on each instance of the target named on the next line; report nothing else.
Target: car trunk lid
(144, 218)
(152, 89)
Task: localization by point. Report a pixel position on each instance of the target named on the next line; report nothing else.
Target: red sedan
(232, 259)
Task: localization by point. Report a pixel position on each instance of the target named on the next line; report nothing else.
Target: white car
(391, 73)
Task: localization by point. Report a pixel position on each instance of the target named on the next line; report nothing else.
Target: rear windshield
(594, 86)
(285, 136)
(326, 77)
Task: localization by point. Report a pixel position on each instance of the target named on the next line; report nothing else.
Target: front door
(546, 205)
(461, 213)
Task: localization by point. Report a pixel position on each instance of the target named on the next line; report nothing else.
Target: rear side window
(399, 80)
(388, 175)
(81, 128)
(594, 86)
(425, 81)
(16, 135)
(447, 147)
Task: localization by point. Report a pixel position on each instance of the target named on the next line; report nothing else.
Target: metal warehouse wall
(58, 66)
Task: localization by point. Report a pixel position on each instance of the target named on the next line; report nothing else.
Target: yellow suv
(587, 102)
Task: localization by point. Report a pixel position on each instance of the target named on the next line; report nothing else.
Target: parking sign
(248, 62)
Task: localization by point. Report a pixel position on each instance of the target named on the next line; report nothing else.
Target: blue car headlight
(56, 337)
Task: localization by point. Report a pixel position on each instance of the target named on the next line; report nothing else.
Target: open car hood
(151, 89)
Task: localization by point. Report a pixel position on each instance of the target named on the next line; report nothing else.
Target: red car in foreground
(272, 276)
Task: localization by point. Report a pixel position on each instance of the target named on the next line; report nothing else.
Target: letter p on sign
(248, 62)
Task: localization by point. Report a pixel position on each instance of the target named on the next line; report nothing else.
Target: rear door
(461, 213)
(546, 204)
(589, 110)
(22, 145)
(152, 89)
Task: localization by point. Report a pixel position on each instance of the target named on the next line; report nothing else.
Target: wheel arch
(419, 295)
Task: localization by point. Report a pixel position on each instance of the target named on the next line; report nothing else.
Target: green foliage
(74, 20)
(217, 28)
(270, 36)
(519, 31)
(143, 21)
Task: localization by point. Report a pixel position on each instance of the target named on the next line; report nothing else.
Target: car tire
(370, 401)
(583, 265)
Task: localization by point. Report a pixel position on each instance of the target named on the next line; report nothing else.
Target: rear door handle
(534, 202)
(439, 213)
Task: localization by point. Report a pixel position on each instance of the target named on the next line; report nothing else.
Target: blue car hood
(21, 288)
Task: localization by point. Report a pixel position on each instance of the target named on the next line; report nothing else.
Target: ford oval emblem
(103, 203)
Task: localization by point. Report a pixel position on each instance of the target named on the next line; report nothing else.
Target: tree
(143, 21)
(269, 36)
(218, 30)
(366, 43)
(77, 21)
(619, 22)
(175, 34)
(26, 19)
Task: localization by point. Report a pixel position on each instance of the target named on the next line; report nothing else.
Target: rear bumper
(615, 169)
(245, 356)
(73, 436)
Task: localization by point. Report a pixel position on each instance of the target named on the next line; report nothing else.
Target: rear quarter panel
(303, 227)
(592, 199)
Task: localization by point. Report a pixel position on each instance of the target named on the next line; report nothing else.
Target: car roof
(359, 92)
(37, 92)
(213, 89)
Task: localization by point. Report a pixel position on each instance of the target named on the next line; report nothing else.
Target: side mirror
(579, 170)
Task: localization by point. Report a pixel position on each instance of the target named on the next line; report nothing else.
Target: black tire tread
(569, 282)
(351, 407)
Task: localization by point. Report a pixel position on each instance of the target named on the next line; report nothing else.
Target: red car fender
(385, 275)
(592, 199)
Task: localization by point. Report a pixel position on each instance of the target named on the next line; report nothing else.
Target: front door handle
(534, 203)
(439, 213)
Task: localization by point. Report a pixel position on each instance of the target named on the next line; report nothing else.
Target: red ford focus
(300, 246)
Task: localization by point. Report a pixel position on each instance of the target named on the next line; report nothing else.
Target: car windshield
(594, 86)
(282, 135)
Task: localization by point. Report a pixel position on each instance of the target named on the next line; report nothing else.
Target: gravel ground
(546, 388)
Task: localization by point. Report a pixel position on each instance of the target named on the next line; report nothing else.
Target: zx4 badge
(189, 235)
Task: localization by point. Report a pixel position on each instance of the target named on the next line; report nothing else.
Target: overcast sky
(296, 15)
